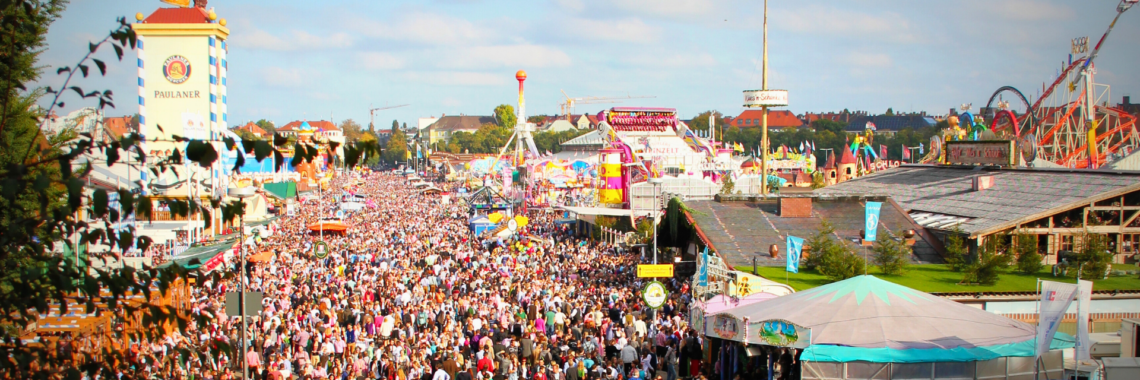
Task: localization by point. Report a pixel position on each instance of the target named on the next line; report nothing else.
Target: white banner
(1055, 300)
(770, 98)
(1083, 300)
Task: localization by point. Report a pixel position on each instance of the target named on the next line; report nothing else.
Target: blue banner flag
(703, 271)
(795, 248)
(872, 220)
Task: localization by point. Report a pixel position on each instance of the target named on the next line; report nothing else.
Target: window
(747, 121)
(756, 121)
(848, 170)
(832, 174)
(1130, 243)
(1065, 243)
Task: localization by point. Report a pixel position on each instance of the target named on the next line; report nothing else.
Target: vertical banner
(1055, 300)
(795, 247)
(871, 226)
(1083, 300)
(703, 270)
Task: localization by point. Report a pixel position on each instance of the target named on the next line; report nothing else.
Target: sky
(320, 60)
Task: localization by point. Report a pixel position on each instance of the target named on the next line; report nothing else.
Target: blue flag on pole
(795, 248)
(703, 271)
(872, 220)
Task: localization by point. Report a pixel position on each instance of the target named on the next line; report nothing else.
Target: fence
(643, 194)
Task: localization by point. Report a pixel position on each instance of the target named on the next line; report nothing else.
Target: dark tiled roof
(193, 15)
(461, 123)
(890, 123)
(742, 230)
(1017, 195)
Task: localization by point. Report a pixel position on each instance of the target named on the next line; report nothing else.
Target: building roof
(776, 119)
(317, 125)
(848, 157)
(117, 126)
(1017, 195)
(192, 15)
(740, 230)
(589, 139)
(252, 128)
(890, 123)
(461, 123)
(830, 161)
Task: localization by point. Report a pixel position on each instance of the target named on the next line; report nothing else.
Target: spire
(830, 161)
(848, 158)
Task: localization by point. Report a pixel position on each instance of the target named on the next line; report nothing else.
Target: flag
(795, 247)
(1055, 300)
(920, 150)
(1083, 299)
(801, 146)
(408, 153)
(871, 225)
(703, 271)
(882, 151)
(905, 153)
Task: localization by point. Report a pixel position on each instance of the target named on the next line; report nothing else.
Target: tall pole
(241, 248)
(764, 118)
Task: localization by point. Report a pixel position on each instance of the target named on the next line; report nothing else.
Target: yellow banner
(181, 3)
(655, 270)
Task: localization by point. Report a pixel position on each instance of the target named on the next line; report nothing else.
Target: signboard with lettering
(769, 98)
(991, 152)
(654, 270)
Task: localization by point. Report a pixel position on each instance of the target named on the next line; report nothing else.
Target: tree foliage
(701, 121)
(505, 116)
(397, 148)
(993, 259)
(267, 125)
(1093, 256)
(830, 257)
(352, 130)
(46, 206)
(956, 250)
(891, 255)
(1028, 260)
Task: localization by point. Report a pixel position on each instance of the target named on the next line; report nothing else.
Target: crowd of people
(408, 292)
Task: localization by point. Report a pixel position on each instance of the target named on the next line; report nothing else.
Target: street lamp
(242, 193)
(656, 210)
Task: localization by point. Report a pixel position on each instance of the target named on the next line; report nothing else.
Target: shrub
(992, 260)
(832, 258)
(891, 256)
(956, 250)
(1028, 260)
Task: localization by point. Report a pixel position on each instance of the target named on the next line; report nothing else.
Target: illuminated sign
(993, 152)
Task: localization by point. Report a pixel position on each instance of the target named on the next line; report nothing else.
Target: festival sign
(654, 270)
(655, 294)
(696, 318)
(321, 249)
(991, 152)
(765, 98)
(725, 326)
(781, 333)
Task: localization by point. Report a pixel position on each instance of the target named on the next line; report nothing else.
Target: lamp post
(656, 210)
(242, 193)
(764, 116)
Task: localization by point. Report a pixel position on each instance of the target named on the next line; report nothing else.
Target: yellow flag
(408, 153)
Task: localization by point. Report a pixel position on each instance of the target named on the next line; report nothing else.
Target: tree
(1093, 257)
(1028, 260)
(267, 125)
(395, 125)
(817, 180)
(505, 116)
(891, 255)
(727, 185)
(245, 134)
(890, 112)
(352, 130)
(993, 259)
(822, 125)
(701, 121)
(831, 258)
(397, 149)
(956, 250)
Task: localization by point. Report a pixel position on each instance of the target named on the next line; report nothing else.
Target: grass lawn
(938, 278)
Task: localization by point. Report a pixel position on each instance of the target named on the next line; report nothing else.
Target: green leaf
(297, 156)
(144, 242)
(126, 238)
(112, 153)
(118, 51)
(143, 209)
(279, 140)
(75, 193)
(239, 162)
(279, 160)
(60, 70)
(126, 201)
(261, 150)
(99, 202)
(102, 66)
(229, 142)
(91, 47)
(201, 152)
(82, 68)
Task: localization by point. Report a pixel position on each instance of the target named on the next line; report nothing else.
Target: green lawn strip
(938, 278)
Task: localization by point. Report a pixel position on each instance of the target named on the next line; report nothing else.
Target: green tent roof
(283, 190)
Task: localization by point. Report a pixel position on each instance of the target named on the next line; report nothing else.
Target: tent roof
(202, 253)
(283, 190)
(888, 320)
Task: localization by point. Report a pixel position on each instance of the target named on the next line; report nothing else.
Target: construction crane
(372, 114)
(568, 105)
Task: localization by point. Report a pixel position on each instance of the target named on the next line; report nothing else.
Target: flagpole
(764, 117)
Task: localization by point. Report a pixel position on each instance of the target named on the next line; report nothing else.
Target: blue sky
(291, 59)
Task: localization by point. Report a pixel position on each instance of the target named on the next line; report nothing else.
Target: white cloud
(671, 59)
(498, 56)
(295, 40)
(873, 60)
(282, 77)
(832, 21)
(626, 30)
(380, 61)
(424, 28)
(458, 78)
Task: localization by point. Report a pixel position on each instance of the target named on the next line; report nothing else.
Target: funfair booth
(868, 328)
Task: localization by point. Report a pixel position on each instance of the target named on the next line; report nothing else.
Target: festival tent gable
(867, 319)
(721, 302)
(282, 190)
